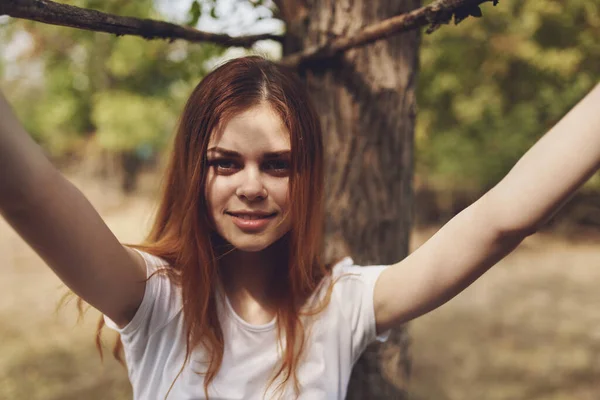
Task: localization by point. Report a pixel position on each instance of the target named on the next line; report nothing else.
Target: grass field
(529, 329)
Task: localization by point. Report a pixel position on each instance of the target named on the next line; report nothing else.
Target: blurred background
(104, 109)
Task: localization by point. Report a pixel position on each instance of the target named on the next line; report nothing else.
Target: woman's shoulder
(347, 271)
(160, 304)
(153, 262)
(349, 282)
(352, 300)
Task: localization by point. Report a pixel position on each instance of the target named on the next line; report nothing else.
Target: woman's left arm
(482, 234)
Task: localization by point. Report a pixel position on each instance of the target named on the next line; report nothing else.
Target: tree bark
(366, 101)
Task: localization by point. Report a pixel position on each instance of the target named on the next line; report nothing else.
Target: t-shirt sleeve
(356, 291)
(161, 302)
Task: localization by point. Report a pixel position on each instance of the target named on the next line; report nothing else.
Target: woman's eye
(224, 166)
(278, 166)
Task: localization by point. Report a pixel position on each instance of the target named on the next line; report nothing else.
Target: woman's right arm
(58, 222)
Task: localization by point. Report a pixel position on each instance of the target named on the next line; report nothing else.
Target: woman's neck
(250, 282)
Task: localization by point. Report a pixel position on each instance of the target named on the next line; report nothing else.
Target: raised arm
(59, 223)
(481, 235)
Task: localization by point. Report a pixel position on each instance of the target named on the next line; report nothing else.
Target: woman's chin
(254, 244)
(251, 247)
(251, 244)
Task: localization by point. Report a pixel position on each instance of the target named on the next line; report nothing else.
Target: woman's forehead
(256, 129)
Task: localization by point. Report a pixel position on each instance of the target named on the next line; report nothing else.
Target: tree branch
(436, 14)
(65, 15)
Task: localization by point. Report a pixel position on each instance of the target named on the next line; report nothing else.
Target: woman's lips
(251, 222)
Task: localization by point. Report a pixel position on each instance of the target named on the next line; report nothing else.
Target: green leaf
(195, 13)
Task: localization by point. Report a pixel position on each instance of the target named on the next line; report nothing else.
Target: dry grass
(529, 329)
(47, 354)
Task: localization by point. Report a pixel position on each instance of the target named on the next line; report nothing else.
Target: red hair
(182, 233)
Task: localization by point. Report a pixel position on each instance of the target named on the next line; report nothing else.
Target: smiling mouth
(251, 223)
(251, 216)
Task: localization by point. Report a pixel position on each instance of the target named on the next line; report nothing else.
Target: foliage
(126, 121)
(489, 88)
(126, 91)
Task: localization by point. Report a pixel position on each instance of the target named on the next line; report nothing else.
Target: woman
(229, 297)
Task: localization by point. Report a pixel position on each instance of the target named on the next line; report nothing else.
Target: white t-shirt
(154, 343)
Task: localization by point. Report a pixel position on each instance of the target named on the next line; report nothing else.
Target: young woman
(229, 297)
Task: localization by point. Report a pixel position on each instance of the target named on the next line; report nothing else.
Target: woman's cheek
(222, 190)
(281, 191)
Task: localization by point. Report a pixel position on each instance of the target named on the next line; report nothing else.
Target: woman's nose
(251, 186)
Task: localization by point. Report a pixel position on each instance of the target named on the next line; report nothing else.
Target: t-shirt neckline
(271, 324)
(246, 325)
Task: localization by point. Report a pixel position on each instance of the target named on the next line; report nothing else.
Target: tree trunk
(366, 101)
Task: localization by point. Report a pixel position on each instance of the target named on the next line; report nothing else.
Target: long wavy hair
(183, 233)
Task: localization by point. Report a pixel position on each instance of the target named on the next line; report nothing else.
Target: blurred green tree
(70, 86)
(489, 90)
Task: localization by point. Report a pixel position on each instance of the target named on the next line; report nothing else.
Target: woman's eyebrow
(277, 154)
(231, 153)
(225, 152)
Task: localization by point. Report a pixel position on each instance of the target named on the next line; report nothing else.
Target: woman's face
(247, 182)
